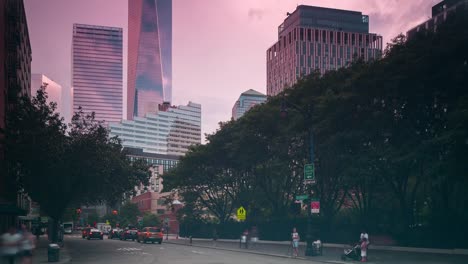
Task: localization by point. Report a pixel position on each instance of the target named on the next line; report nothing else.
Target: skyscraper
(149, 56)
(247, 100)
(53, 89)
(97, 66)
(318, 39)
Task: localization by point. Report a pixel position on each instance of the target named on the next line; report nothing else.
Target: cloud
(256, 13)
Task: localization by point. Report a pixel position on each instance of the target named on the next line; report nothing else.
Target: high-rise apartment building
(53, 89)
(170, 130)
(149, 56)
(15, 81)
(318, 39)
(97, 66)
(247, 100)
(440, 12)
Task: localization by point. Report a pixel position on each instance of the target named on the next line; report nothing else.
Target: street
(116, 251)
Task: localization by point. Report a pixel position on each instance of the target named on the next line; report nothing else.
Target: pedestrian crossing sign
(241, 213)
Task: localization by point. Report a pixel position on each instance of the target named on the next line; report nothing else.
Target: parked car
(114, 233)
(95, 233)
(129, 234)
(85, 231)
(150, 234)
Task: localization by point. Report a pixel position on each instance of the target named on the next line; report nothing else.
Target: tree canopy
(390, 143)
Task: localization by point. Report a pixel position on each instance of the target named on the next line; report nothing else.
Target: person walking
(364, 250)
(295, 238)
(27, 245)
(9, 245)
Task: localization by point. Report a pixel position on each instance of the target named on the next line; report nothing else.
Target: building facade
(53, 89)
(440, 12)
(316, 39)
(169, 131)
(15, 81)
(149, 73)
(247, 100)
(97, 66)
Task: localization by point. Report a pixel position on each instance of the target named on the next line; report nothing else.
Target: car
(150, 234)
(95, 233)
(114, 233)
(129, 233)
(85, 231)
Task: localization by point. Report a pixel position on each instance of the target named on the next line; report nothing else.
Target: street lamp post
(308, 118)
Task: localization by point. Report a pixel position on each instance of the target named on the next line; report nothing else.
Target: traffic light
(78, 211)
(115, 212)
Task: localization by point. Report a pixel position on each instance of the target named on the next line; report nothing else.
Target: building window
(309, 35)
(316, 35)
(353, 39)
(331, 37)
(301, 34)
(324, 36)
(338, 37)
(346, 38)
(160, 211)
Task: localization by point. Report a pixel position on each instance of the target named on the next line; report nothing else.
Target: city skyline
(226, 50)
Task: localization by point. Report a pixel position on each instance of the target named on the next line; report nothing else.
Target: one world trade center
(149, 55)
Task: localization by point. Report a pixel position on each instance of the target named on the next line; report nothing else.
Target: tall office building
(247, 100)
(440, 12)
(170, 130)
(53, 89)
(318, 39)
(149, 56)
(97, 66)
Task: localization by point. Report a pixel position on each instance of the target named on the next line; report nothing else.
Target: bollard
(190, 240)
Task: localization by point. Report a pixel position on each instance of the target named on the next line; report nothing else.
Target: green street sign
(302, 197)
(309, 173)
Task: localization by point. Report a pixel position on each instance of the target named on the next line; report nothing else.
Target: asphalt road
(116, 251)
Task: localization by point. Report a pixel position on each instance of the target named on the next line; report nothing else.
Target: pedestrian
(27, 245)
(364, 235)
(9, 245)
(254, 236)
(364, 250)
(245, 238)
(295, 238)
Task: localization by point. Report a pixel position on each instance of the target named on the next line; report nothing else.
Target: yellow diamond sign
(241, 213)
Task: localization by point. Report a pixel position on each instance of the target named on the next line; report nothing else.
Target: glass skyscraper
(97, 71)
(149, 56)
(247, 100)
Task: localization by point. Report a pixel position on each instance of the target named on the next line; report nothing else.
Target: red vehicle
(151, 234)
(85, 232)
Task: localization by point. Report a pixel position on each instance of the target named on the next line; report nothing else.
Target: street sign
(241, 213)
(309, 174)
(315, 207)
(302, 197)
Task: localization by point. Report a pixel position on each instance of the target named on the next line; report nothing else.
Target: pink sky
(219, 46)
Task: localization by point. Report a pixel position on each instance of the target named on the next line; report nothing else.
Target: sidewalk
(331, 252)
(40, 253)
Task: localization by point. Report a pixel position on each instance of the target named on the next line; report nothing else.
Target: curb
(455, 251)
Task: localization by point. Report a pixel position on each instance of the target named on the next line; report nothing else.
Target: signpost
(315, 206)
(302, 197)
(241, 213)
(309, 174)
